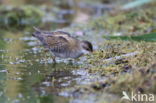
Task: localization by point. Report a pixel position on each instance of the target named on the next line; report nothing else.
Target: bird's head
(86, 47)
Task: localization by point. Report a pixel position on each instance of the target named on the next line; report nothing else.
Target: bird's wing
(61, 33)
(57, 43)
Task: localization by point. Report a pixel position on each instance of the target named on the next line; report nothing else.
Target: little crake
(62, 44)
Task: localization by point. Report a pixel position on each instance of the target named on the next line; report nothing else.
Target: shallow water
(25, 67)
(28, 74)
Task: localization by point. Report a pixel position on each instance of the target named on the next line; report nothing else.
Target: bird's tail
(39, 34)
(37, 31)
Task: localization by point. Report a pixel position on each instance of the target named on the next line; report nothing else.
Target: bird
(61, 44)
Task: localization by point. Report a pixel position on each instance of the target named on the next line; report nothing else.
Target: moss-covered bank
(126, 65)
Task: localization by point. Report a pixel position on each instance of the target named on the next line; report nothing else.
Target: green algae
(131, 74)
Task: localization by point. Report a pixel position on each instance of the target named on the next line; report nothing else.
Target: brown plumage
(62, 45)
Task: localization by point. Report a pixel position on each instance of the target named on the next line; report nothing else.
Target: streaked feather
(57, 43)
(60, 43)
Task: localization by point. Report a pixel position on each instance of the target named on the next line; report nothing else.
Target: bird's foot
(54, 59)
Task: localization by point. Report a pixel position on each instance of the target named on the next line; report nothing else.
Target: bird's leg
(71, 61)
(46, 54)
(53, 57)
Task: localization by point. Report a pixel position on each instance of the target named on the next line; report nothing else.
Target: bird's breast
(69, 54)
